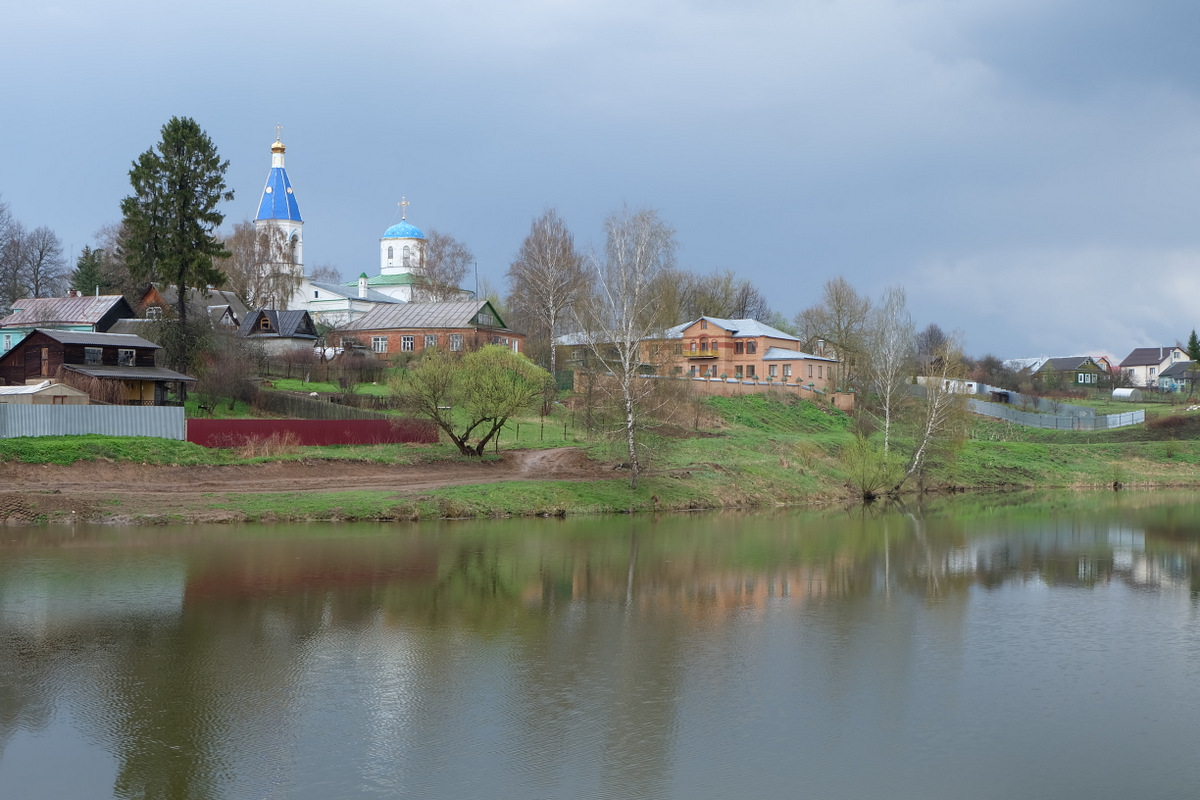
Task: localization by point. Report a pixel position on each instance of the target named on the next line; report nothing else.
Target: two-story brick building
(744, 349)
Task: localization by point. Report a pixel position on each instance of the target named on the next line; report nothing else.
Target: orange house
(745, 350)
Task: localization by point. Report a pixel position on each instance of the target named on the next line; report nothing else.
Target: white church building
(401, 256)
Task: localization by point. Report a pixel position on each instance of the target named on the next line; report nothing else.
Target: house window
(430, 340)
(739, 348)
(704, 344)
(703, 324)
(58, 400)
(751, 347)
(810, 370)
(125, 357)
(93, 355)
(771, 371)
(749, 370)
(406, 344)
(486, 319)
(379, 344)
(693, 346)
(676, 370)
(737, 371)
(820, 370)
(456, 342)
(1079, 378)
(153, 312)
(692, 372)
(264, 324)
(8, 341)
(677, 349)
(515, 346)
(787, 370)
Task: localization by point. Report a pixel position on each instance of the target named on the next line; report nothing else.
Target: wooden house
(94, 313)
(1071, 372)
(279, 331)
(110, 367)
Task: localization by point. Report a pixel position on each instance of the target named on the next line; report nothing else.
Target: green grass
(378, 389)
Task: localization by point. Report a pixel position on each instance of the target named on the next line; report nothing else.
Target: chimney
(820, 347)
(362, 286)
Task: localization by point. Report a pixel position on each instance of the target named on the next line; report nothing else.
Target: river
(983, 648)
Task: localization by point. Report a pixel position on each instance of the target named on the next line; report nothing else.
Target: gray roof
(352, 293)
(204, 298)
(33, 311)
(1067, 364)
(295, 324)
(1147, 356)
(781, 354)
(453, 314)
(1180, 369)
(128, 373)
(97, 339)
(738, 327)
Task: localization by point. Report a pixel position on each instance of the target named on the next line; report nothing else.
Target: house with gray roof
(1144, 365)
(279, 331)
(409, 328)
(94, 313)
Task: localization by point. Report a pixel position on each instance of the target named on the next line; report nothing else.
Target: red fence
(239, 432)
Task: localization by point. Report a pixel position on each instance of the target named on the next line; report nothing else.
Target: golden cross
(278, 131)
(404, 204)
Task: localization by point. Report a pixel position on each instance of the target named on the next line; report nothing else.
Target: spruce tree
(171, 219)
(1193, 347)
(89, 272)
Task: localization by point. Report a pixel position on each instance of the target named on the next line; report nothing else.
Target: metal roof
(452, 314)
(86, 310)
(352, 293)
(96, 339)
(737, 327)
(1147, 356)
(278, 200)
(295, 324)
(782, 354)
(128, 373)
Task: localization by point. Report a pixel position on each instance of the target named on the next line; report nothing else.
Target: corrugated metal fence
(164, 422)
(1056, 422)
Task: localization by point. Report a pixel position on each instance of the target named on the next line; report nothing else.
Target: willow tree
(171, 219)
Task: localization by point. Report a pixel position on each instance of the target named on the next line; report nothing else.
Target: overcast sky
(1029, 170)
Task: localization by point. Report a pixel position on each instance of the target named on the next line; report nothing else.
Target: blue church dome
(403, 230)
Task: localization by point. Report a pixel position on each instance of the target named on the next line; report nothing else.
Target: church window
(379, 344)
(407, 251)
(456, 341)
(389, 252)
(430, 340)
(316, 294)
(406, 344)
(295, 249)
(703, 324)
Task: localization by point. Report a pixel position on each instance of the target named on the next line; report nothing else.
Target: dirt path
(30, 491)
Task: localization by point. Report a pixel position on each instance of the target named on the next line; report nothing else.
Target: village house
(1179, 377)
(46, 393)
(409, 328)
(94, 313)
(279, 332)
(1070, 372)
(110, 367)
(1144, 365)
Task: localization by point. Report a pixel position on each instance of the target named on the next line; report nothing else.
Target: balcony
(703, 353)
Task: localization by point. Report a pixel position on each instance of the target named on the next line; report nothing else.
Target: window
(692, 372)
(787, 370)
(749, 370)
(704, 344)
(407, 255)
(264, 324)
(676, 370)
(93, 355)
(8, 341)
(58, 400)
(739, 348)
(316, 294)
(379, 344)
(153, 312)
(430, 340)
(810, 370)
(693, 346)
(125, 358)
(486, 318)
(737, 371)
(751, 347)
(407, 344)
(771, 371)
(1080, 378)
(515, 345)
(715, 345)
(819, 371)
(703, 324)
(456, 342)
(389, 253)
(677, 349)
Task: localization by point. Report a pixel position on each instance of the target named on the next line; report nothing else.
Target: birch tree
(625, 319)
(943, 408)
(545, 280)
(890, 348)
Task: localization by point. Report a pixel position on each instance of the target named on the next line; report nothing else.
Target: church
(462, 322)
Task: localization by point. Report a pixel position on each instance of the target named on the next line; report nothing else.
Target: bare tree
(252, 271)
(719, 294)
(545, 279)
(12, 259)
(840, 319)
(626, 317)
(446, 261)
(326, 273)
(44, 268)
(930, 341)
(943, 408)
(889, 355)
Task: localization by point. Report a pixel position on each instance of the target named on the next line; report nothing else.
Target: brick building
(406, 328)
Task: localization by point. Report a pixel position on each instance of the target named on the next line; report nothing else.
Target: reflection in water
(675, 657)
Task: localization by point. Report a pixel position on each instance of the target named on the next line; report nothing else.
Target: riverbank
(749, 452)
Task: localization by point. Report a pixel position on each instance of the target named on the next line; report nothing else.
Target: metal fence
(291, 405)
(164, 422)
(1056, 421)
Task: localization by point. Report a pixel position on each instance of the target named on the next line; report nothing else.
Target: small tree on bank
(472, 394)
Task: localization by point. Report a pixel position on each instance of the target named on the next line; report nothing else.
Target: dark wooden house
(111, 367)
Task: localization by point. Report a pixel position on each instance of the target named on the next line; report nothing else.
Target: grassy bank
(745, 451)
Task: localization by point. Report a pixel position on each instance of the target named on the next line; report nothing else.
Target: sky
(1028, 170)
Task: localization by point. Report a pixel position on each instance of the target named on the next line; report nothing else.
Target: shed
(46, 393)
(1129, 394)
